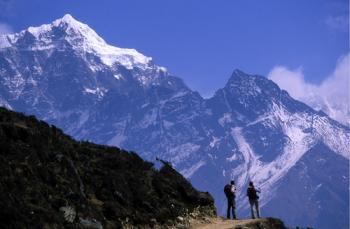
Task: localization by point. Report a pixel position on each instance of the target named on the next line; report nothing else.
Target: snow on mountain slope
(82, 38)
(250, 129)
(267, 174)
(301, 135)
(272, 133)
(318, 185)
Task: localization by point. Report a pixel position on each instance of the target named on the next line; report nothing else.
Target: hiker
(230, 192)
(253, 199)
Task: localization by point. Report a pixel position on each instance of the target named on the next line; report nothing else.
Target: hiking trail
(221, 223)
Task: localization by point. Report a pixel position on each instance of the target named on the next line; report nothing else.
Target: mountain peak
(238, 72)
(80, 37)
(68, 19)
(248, 86)
(68, 26)
(239, 77)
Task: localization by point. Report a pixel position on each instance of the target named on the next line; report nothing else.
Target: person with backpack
(253, 199)
(230, 192)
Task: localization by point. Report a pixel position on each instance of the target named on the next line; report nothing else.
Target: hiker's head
(232, 182)
(251, 183)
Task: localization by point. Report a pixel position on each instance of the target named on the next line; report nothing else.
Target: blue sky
(203, 41)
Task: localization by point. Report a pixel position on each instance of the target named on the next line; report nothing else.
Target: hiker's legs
(251, 208)
(234, 209)
(256, 202)
(234, 213)
(229, 205)
(228, 212)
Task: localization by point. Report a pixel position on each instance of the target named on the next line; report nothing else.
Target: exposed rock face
(48, 180)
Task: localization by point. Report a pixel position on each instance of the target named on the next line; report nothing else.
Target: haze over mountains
(330, 96)
(250, 129)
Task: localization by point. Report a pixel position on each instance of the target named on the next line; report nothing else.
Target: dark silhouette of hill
(49, 180)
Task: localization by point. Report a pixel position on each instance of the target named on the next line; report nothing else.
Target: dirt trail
(219, 223)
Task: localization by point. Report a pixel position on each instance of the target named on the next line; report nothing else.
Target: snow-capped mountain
(274, 134)
(66, 74)
(67, 32)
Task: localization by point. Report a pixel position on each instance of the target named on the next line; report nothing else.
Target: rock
(69, 213)
(181, 226)
(91, 223)
(181, 219)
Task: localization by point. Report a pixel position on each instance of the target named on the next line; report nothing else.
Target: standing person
(230, 192)
(253, 199)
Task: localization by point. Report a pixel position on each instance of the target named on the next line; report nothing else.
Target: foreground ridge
(49, 180)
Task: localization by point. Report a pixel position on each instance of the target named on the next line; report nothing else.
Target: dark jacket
(252, 193)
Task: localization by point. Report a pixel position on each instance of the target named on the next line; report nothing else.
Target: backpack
(227, 190)
(251, 193)
(233, 189)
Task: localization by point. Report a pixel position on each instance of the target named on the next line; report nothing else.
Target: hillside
(49, 180)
